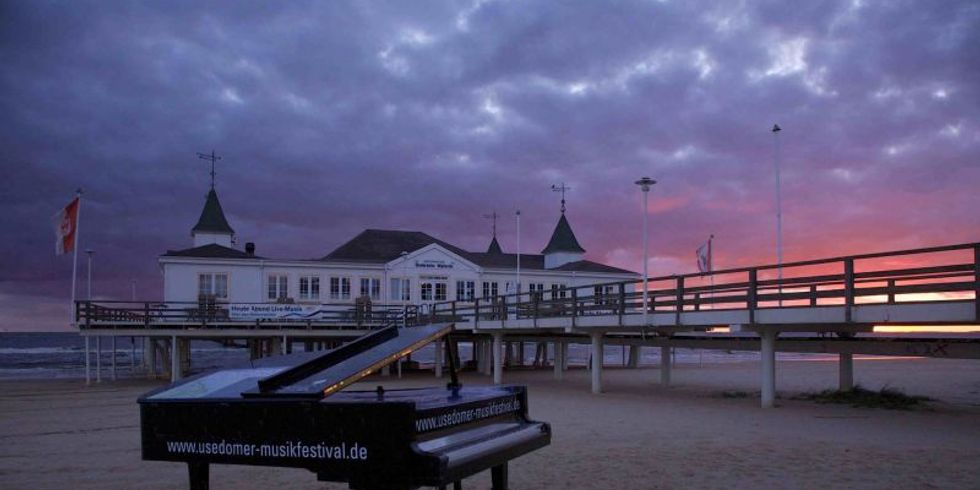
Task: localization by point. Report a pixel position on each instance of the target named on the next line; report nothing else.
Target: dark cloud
(335, 117)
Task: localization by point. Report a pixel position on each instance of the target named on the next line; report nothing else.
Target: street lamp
(779, 211)
(89, 252)
(645, 183)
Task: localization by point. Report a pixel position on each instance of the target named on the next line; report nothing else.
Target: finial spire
(493, 220)
(561, 188)
(211, 158)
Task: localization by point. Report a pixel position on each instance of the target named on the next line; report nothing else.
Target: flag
(66, 227)
(704, 257)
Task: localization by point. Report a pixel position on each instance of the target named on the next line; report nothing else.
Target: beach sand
(61, 434)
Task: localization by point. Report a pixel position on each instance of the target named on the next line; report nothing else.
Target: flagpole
(711, 267)
(74, 262)
(518, 288)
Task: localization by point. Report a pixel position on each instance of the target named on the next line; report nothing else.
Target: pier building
(393, 268)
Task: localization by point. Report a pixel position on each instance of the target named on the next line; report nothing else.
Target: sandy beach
(61, 434)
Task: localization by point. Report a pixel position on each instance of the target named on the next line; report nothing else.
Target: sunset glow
(336, 117)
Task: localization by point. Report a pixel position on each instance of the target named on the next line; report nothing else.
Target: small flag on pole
(704, 257)
(66, 228)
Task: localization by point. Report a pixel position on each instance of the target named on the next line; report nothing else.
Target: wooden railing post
(453, 312)
(891, 291)
(476, 313)
(813, 295)
(848, 289)
(679, 306)
(697, 301)
(622, 302)
(535, 304)
(752, 299)
(976, 282)
(146, 314)
(574, 305)
(503, 310)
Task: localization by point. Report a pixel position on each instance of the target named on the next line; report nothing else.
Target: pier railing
(213, 313)
(936, 275)
(925, 275)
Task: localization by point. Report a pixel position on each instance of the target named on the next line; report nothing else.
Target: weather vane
(211, 158)
(493, 219)
(561, 188)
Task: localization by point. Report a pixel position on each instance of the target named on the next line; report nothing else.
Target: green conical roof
(212, 218)
(563, 239)
(494, 247)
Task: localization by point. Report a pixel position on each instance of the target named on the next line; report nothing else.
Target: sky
(333, 117)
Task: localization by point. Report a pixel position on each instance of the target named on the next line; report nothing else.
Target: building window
(536, 290)
(339, 288)
(213, 284)
(371, 287)
(558, 291)
(441, 291)
(604, 294)
(426, 291)
(309, 287)
(465, 290)
(401, 289)
(489, 289)
(278, 286)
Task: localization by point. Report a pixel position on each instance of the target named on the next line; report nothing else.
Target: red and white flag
(704, 257)
(66, 228)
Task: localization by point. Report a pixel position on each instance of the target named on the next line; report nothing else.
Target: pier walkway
(826, 305)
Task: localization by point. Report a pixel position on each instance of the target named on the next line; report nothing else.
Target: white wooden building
(387, 266)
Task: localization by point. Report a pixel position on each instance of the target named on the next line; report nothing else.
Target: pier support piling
(437, 358)
(634, 357)
(846, 371)
(98, 359)
(768, 347)
(151, 358)
(174, 359)
(597, 355)
(113, 357)
(88, 361)
(559, 363)
(665, 365)
(498, 358)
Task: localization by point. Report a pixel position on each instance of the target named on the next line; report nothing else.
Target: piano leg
(199, 475)
(498, 476)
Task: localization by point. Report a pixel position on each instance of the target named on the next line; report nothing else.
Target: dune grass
(860, 397)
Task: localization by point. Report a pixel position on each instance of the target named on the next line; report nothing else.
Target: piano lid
(336, 369)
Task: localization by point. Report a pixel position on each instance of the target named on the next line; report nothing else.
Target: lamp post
(779, 211)
(645, 184)
(89, 253)
(518, 286)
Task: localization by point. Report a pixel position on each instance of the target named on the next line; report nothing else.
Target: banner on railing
(273, 312)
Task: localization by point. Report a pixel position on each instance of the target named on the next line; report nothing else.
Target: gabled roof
(212, 218)
(494, 247)
(589, 266)
(211, 251)
(536, 262)
(563, 239)
(386, 245)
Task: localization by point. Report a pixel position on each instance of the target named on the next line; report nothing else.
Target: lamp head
(645, 183)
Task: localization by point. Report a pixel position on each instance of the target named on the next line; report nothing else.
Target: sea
(36, 355)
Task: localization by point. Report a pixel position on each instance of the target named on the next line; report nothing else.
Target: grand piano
(293, 411)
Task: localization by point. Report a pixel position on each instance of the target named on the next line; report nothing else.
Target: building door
(434, 290)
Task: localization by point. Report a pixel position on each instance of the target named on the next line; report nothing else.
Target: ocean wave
(39, 350)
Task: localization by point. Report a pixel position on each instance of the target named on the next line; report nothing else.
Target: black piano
(291, 411)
